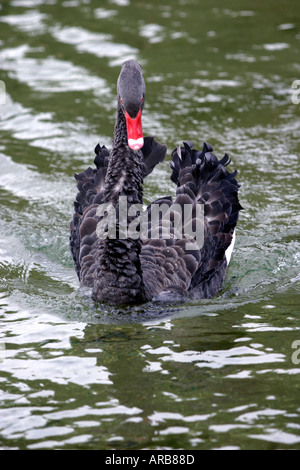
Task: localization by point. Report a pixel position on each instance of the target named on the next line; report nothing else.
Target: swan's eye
(121, 101)
(142, 99)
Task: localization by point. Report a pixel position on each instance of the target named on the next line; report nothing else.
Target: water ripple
(241, 355)
(98, 44)
(49, 75)
(31, 22)
(220, 373)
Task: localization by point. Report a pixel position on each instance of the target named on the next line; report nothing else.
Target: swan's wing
(190, 259)
(90, 185)
(153, 153)
(217, 190)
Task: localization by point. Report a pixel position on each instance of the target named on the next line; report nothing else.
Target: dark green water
(215, 374)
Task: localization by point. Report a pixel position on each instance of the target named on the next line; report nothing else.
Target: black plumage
(170, 265)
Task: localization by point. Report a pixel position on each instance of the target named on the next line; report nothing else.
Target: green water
(214, 374)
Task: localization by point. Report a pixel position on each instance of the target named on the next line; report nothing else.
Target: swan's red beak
(134, 131)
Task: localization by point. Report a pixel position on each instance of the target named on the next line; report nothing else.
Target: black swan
(136, 268)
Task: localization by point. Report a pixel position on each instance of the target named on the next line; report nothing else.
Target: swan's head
(131, 96)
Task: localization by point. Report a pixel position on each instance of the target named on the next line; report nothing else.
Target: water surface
(212, 374)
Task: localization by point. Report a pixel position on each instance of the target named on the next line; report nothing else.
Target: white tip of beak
(136, 144)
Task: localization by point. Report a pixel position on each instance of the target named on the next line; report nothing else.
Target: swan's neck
(119, 275)
(125, 170)
(120, 134)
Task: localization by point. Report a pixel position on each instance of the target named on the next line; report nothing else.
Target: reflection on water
(94, 43)
(47, 75)
(210, 374)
